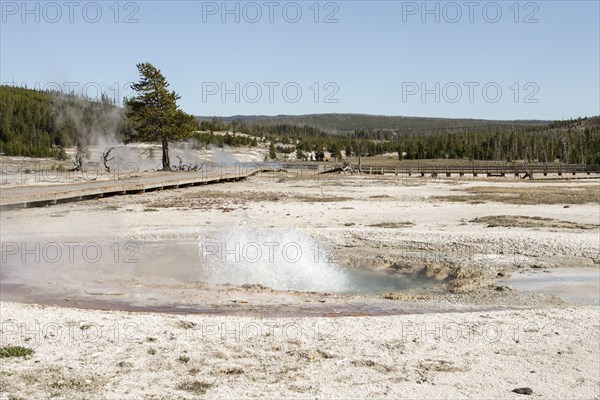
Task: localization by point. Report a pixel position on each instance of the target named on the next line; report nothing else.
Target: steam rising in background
(96, 126)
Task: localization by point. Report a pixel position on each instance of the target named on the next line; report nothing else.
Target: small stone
(524, 390)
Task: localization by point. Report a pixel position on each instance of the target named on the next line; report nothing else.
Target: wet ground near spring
(170, 276)
(574, 285)
(167, 276)
(287, 306)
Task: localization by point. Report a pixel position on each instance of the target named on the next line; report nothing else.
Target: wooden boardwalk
(43, 195)
(492, 170)
(441, 169)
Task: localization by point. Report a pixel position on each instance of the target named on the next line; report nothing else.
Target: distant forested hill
(344, 123)
(346, 135)
(40, 124)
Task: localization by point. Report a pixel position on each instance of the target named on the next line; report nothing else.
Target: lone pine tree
(155, 113)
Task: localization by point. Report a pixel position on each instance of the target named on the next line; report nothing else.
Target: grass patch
(392, 225)
(152, 351)
(15, 351)
(527, 195)
(186, 324)
(518, 221)
(349, 224)
(380, 196)
(196, 387)
(150, 209)
(159, 205)
(124, 364)
(320, 199)
(69, 384)
(183, 359)
(110, 208)
(243, 196)
(233, 371)
(209, 194)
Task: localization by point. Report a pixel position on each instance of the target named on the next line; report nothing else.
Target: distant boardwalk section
(43, 195)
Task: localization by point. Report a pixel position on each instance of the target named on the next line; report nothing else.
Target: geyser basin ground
(418, 346)
(376, 223)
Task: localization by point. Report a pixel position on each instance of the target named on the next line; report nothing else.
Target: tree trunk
(165, 155)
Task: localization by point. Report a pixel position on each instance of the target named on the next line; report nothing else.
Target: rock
(524, 390)
(254, 286)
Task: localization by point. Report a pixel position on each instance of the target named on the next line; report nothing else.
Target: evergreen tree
(155, 113)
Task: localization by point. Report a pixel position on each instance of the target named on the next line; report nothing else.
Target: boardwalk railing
(443, 169)
(38, 195)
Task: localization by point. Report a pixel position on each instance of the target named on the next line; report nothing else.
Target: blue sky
(495, 60)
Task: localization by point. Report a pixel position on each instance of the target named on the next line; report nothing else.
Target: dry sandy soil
(463, 332)
(115, 355)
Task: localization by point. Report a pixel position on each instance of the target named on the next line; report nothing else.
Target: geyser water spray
(278, 259)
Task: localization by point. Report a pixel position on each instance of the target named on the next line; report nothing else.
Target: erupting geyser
(278, 259)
